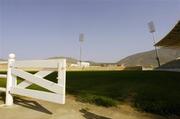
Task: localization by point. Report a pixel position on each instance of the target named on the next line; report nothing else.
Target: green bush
(150, 91)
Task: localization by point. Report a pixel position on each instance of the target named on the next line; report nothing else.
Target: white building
(83, 64)
(80, 64)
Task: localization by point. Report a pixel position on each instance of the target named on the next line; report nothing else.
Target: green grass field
(151, 91)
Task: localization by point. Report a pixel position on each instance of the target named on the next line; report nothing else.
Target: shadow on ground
(28, 104)
(90, 115)
(31, 105)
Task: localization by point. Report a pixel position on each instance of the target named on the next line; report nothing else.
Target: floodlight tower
(152, 31)
(81, 40)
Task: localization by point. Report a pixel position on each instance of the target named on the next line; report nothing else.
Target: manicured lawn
(151, 91)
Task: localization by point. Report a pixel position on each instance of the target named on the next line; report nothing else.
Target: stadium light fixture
(81, 40)
(152, 31)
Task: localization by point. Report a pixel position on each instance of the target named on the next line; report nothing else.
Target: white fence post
(10, 82)
(62, 77)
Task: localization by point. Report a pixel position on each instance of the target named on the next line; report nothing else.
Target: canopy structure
(172, 39)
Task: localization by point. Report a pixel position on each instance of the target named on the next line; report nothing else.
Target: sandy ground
(26, 108)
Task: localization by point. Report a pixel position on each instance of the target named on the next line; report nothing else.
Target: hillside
(2, 60)
(174, 64)
(73, 60)
(147, 59)
(68, 59)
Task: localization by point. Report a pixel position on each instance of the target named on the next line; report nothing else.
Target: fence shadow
(90, 115)
(31, 105)
(27, 103)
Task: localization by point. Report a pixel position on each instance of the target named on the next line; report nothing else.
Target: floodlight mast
(152, 31)
(81, 40)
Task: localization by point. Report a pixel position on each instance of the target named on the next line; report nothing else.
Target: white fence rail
(3, 76)
(15, 69)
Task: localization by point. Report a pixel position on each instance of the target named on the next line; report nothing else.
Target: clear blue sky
(114, 29)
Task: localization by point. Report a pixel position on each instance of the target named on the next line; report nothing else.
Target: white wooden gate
(16, 69)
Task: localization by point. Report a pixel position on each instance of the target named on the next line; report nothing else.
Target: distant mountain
(147, 59)
(1, 60)
(69, 60)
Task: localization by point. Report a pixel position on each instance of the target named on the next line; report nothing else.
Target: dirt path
(35, 109)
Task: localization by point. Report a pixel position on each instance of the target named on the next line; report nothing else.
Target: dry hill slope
(147, 59)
